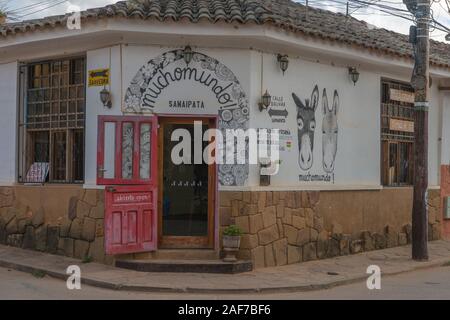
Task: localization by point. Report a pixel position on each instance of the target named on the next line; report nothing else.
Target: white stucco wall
(8, 122)
(357, 163)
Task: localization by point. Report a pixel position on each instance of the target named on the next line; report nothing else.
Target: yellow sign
(401, 125)
(98, 78)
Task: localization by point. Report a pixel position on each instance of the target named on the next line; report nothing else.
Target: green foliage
(232, 230)
(38, 274)
(87, 259)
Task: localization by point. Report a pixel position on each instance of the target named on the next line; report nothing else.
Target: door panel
(127, 159)
(130, 219)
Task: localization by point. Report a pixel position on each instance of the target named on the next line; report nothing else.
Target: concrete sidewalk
(313, 275)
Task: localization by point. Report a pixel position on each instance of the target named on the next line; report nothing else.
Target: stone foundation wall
(65, 220)
(288, 227)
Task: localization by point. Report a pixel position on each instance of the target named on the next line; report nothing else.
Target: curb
(150, 289)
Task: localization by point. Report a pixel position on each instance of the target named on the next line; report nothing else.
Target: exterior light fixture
(188, 54)
(283, 61)
(105, 98)
(266, 99)
(354, 75)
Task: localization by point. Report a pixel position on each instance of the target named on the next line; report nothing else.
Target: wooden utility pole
(420, 81)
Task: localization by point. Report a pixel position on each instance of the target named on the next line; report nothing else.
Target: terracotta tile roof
(284, 14)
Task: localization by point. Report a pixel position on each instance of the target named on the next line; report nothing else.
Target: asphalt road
(424, 284)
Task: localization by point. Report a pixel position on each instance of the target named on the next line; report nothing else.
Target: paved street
(425, 284)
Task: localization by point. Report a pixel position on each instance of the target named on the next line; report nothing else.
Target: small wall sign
(98, 77)
(401, 125)
(402, 96)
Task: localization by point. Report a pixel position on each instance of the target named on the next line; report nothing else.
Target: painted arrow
(278, 113)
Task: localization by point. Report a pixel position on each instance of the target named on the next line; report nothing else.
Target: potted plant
(231, 241)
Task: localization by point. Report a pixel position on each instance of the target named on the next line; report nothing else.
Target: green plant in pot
(2, 17)
(231, 241)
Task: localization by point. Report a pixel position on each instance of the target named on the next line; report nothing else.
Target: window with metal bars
(397, 133)
(52, 115)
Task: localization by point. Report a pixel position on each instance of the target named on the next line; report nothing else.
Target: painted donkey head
(306, 122)
(329, 131)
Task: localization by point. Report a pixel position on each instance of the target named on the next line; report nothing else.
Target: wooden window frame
(53, 119)
(391, 109)
(137, 121)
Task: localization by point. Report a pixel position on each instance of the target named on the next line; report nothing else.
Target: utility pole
(420, 80)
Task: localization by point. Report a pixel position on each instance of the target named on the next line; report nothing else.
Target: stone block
(298, 222)
(72, 209)
(269, 216)
(52, 239)
(99, 228)
(268, 235)
(64, 228)
(41, 238)
(313, 234)
(280, 228)
(225, 216)
(379, 240)
(76, 228)
(356, 246)
(269, 198)
(333, 248)
(295, 254)
(22, 225)
(256, 223)
(66, 246)
(261, 201)
(249, 209)
(309, 217)
(303, 237)
(81, 249)
(235, 208)
(269, 256)
(287, 219)
(402, 239)
(38, 217)
(11, 227)
(322, 248)
(309, 251)
(249, 241)
(368, 242)
(280, 210)
(407, 228)
(97, 250)
(97, 212)
(83, 209)
(344, 245)
(29, 239)
(243, 223)
(8, 214)
(258, 257)
(291, 234)
(280, 248)
(318, 223)
(90, 197)
(15, 240)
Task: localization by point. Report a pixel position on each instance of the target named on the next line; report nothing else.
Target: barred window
(397, 133)
(52, 129)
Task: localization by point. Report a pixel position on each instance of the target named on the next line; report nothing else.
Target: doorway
(187, 184)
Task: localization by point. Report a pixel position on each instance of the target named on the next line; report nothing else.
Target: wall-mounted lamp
(354, 75)
(283, 61)
(266, 99)
(188, 54)
(105, 98)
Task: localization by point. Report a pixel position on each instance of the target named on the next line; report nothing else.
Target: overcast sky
(371, 15)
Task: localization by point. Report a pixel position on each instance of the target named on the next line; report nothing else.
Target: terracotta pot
(231, 246)
(2, 20)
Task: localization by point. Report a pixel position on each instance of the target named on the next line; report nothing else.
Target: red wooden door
(127, 165)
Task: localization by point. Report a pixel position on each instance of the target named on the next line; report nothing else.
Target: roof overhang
(60, 41)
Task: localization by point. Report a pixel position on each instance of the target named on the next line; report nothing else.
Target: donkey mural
(329, 131)
(306, 123)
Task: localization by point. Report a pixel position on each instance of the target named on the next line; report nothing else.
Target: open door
(127, 165)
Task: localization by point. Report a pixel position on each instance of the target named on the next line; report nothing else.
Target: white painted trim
(93, 186)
